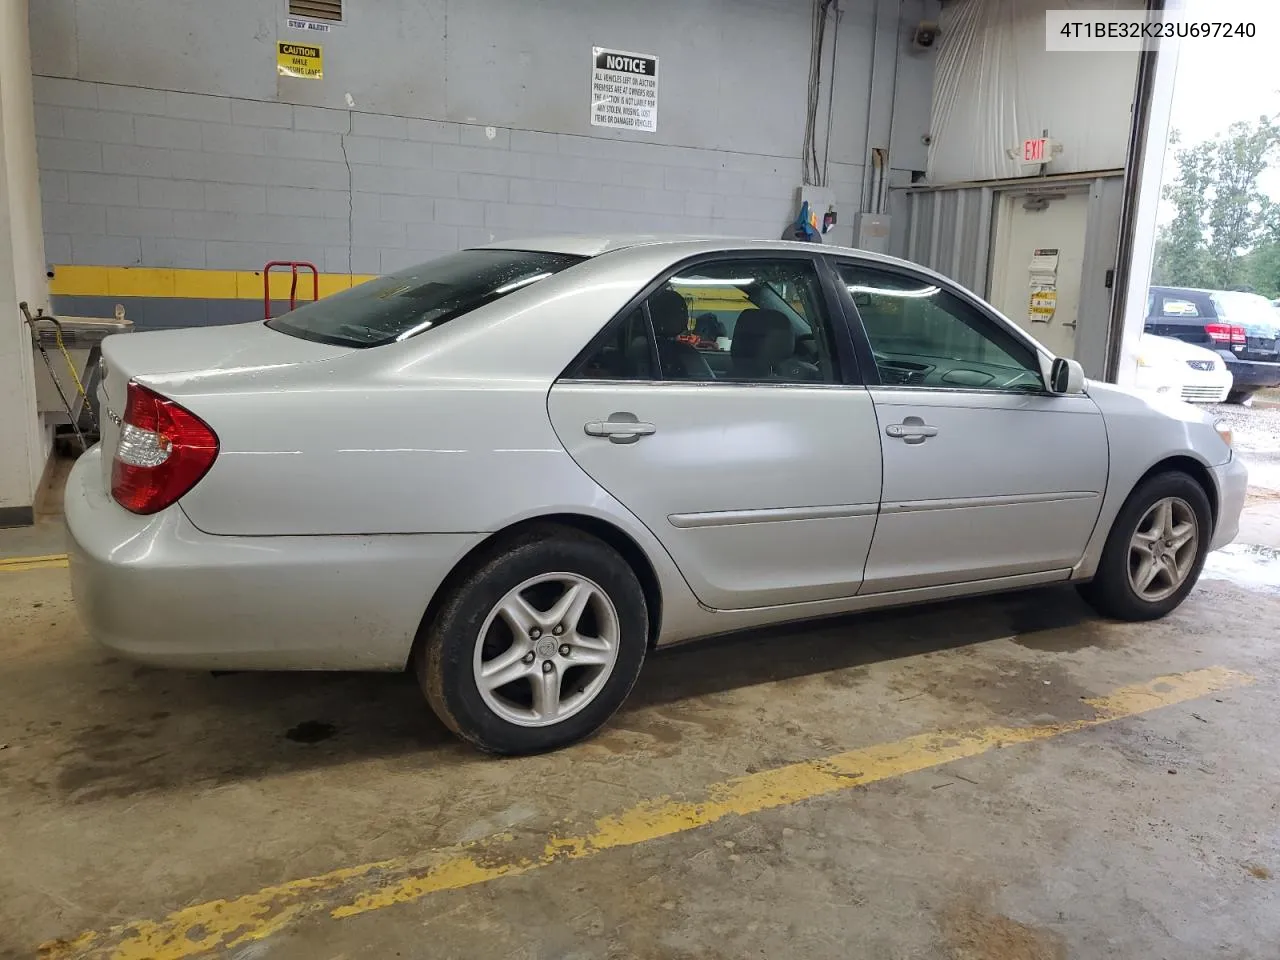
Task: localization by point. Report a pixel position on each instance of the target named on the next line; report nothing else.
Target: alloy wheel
(546, 649)
(1163, 549)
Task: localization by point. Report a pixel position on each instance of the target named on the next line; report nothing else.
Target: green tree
(1262, 264)
(1182, 256)
(1262, 269)
(1238, 211)
(1222, 221)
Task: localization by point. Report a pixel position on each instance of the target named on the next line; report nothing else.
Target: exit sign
(1035, 151)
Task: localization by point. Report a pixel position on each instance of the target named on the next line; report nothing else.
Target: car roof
(588, 245)
(592, 245)
(1204, 292)
(1200, 290)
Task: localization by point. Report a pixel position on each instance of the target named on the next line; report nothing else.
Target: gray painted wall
(165, 137)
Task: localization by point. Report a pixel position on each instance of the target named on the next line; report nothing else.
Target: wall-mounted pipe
(868, 172)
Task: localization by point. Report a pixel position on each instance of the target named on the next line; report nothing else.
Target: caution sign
(302, 60)
(624, 90)
(1043, 305)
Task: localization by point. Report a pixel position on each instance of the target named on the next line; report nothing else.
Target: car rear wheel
(1155, 551)
(1243, 398)
(538, 646)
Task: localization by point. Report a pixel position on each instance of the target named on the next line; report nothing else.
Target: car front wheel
(1155, 551)
(538, 646)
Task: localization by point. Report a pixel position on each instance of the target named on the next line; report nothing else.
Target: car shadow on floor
(126, 730)
(1051, 620)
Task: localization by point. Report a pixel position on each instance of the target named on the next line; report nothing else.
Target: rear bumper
(158, 590)
(1255, 374)
(1232, 479)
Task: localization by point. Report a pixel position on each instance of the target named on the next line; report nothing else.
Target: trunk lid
(1259, 320)
(198, 352)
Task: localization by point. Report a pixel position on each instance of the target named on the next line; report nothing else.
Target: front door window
(923, 335)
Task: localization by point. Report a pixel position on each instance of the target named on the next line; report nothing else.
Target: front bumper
(159, 590)
(1232, 479)
(1177, 379)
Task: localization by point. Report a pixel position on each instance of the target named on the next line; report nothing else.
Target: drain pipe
(868, 181)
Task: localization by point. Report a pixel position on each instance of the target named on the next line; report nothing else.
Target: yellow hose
(57, 336)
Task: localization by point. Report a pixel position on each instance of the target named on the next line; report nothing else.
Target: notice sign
(624, 90)
(302, 60)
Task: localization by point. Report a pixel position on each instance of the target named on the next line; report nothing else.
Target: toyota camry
(516, 469)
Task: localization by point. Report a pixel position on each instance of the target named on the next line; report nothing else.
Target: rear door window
(1176, 307)
(408, 302)
(745, 320)
(624, 351)
(739, 320)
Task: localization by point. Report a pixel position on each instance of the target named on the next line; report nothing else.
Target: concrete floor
(128, 793)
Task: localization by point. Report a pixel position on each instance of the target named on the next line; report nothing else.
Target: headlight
(1224, 431)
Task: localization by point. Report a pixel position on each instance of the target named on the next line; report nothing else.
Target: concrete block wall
(167, 142)
(133, 177)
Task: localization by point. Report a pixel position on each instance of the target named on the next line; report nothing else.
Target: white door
(1059, 230)
(986, 475)
(745, 454)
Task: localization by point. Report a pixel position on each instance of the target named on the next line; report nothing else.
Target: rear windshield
(1249, 310)
(402, 304)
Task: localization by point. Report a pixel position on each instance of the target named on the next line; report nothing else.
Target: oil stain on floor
(311, 731)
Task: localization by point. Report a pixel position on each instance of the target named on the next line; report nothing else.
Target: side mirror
(1066, 376)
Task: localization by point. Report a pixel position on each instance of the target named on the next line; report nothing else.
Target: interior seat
(764, 347)
(680, 361)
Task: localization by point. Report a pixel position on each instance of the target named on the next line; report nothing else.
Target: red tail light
(163, 452)
(1224, 333)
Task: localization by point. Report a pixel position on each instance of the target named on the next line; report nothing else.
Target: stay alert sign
(624, 90)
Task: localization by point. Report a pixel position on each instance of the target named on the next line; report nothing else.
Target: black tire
(1110, 592)
(447, 644)
(1241, 398)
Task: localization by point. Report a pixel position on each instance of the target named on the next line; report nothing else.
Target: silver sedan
(518, 468)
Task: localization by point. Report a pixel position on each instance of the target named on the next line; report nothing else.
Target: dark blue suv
(1241, 327)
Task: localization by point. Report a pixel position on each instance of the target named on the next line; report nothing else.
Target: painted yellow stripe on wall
(18, 564)
(206, 284)
(224, 924)
(89, 281)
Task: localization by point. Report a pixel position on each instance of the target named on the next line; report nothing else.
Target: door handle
(620, 428)
(911, 430)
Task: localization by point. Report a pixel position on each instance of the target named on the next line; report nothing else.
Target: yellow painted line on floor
(221, 924)
(18, 564)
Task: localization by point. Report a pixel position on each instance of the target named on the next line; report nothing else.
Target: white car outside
(1175, 368)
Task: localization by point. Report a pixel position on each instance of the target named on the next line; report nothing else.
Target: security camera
(925, 34)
